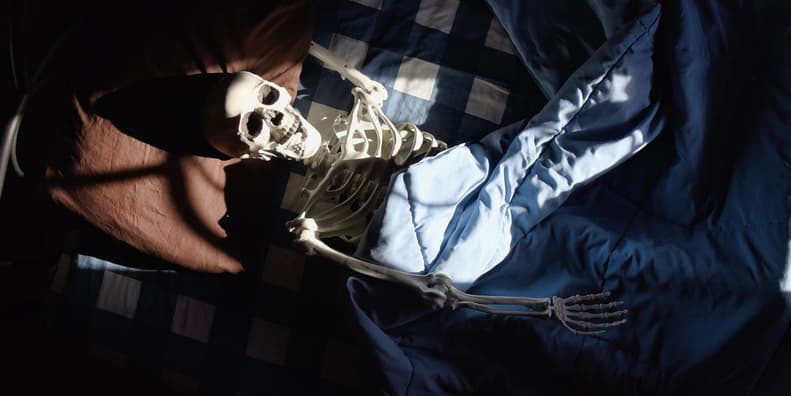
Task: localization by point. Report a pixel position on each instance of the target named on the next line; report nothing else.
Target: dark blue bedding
(659, 169)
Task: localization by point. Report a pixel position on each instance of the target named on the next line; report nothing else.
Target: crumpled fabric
(465, 226)
(659, 170)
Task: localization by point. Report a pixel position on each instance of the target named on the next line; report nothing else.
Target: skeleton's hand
(304, 230)
(588, 314)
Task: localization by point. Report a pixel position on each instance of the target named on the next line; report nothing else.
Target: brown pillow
(134, 163)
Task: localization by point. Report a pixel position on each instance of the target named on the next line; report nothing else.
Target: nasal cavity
(277, 119)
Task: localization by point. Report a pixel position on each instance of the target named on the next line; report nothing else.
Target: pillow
(131, 159)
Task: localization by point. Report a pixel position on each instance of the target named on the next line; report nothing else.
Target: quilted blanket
(658, 169)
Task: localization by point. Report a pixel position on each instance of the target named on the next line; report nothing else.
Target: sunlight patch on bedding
(618, 88)
(90, 263)
(416, 77)
(351, 50)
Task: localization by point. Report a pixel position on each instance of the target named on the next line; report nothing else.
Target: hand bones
(347, 178)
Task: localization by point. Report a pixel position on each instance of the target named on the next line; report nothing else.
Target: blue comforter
(658, 169)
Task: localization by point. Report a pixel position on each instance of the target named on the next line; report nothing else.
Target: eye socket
(255, 124)
(268, 95)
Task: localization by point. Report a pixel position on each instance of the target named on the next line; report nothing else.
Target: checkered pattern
(280, 327)
(448, 64)
(278, 330)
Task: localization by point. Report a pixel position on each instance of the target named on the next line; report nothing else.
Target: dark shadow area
(253, 192)
(165, 113)
(168, 114)
(39, 359)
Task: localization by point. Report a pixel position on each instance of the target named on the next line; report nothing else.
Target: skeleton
(347, 178)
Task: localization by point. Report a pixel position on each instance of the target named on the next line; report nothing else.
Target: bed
(282, 326)
(688, 222)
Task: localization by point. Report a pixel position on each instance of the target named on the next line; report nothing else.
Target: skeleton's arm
(375, 93)
(582, 314)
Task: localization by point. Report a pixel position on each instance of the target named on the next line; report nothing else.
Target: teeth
(295, 124)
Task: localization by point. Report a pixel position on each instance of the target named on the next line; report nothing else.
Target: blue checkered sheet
(282, 327)
(448, 65)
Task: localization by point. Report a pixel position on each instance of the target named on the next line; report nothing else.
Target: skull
(261, 116)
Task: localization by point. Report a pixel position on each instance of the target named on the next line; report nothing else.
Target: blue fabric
(603, 115)
(658, 169)
(455, 46)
